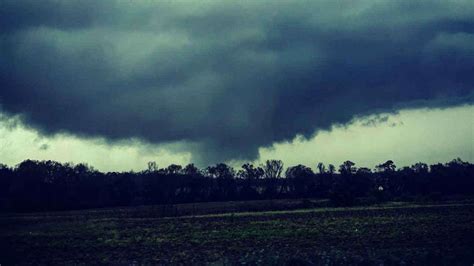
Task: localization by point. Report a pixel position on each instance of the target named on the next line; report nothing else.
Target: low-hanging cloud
(228, 77)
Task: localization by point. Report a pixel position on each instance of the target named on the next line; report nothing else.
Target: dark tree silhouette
(321, 168)
(388, 166)
(173, 169)
(331, 169)
(273, 168)
(347, 168)
(48, 185)
(152, 167)
(304, 182)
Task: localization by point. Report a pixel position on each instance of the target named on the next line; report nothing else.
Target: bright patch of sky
(410, 136)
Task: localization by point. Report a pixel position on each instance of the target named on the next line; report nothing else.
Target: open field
(400, 233)
(187, 209)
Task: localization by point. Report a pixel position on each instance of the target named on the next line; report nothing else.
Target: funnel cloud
(225, 78)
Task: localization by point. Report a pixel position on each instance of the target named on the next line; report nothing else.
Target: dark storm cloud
(228, 77)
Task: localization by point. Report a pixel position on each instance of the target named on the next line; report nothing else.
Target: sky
(120, 83)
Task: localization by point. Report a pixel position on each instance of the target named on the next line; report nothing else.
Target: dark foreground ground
(393, 234)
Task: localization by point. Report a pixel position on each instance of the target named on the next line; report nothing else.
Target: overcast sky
(120, 83)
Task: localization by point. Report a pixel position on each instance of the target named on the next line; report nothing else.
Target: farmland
(394, 233)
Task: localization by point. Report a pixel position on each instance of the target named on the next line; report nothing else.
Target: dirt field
(397, 233)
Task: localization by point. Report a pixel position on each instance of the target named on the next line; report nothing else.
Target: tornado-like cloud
(231, 76)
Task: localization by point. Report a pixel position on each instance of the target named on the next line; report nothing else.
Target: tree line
(49, 185)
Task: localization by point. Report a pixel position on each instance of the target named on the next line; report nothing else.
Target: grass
(397, 233)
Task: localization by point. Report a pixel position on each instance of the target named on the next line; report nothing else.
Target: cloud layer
(410, 136)
(226, 77)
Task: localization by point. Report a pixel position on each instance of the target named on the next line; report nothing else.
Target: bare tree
(273, 168)
(152, 167)
(251, 172)
(321, 168)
